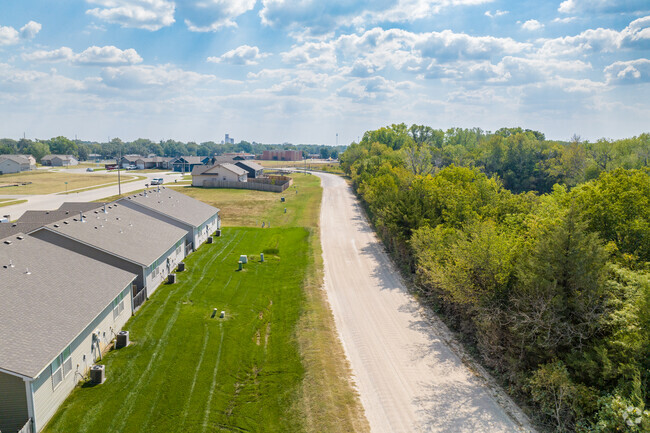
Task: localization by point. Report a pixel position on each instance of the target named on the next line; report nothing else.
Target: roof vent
(14, 225)
(65, 222)
(20, 238)
(8, 242)
(67, 212)
(11, 265)
(27, 271)
(105, 211)
(56, 226)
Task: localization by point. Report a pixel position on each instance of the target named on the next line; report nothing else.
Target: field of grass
(241, 207)
(274, 364)
(47, 182)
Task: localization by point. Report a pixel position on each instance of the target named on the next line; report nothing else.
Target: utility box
(181, 266)
(171, 279)
(282, 199)
(98, 374)
(243, 258)
(122, 339)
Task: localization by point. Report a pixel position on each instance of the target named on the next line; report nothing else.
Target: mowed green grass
(48, 182)
(188, 372)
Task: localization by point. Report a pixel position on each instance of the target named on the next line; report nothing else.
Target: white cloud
(629, 72)
(532, 25)
(108, 55)
(29, 30)
(243, 55)
(564, 20)
(212, 15)
(167, 77)
(11, 36)
(319, 17)
(635, 35)
(607, 6)
(496, 13)
(142, 14)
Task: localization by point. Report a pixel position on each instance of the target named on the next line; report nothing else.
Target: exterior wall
(8, 166)
(219, 174)
(206, 229)
(158, 271)
(13, 403)
(188, 228)
(83, 354)
(282, 155)
(70, 244)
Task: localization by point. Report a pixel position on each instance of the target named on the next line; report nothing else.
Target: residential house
(198, 219)
(57, 314)
(220, 172)
(239, 156)
(253, 169)
(124, 238)
(185, 164)
(154, 162)
(282, 155)
(16, 163)
(59, 160)
(128, 160)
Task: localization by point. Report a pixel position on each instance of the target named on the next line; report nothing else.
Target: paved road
(408, 378)
(53, 201)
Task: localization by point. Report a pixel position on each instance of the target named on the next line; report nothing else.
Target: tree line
(537, 252)
(170, 148)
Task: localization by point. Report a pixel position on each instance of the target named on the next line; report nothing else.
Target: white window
(61, 367)
(57, 373)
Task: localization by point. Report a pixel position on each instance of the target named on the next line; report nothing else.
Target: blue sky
(301, 71)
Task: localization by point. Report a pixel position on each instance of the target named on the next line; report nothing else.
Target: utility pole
(119, 162)
(337, 139)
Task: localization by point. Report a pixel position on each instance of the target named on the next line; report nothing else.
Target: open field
(48, 182)
(186, 371)
(249, 208)
(132, 178)
(316, 395)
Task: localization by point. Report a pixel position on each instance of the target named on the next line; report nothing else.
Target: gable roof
(121, 231)
(64, 157)
(20, 159)
(44, 311)
(80, 206)
(174, 204)
(188, 159)
(250, 164)
(210, 169)
(231, 167)
(11, 229)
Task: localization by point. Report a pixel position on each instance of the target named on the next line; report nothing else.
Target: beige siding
(13, 403)
(47, 399)
(8, 166)
(156, 276)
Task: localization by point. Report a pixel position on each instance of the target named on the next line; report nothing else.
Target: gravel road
(408, 378)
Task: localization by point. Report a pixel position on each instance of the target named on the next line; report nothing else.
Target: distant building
(228, 140)
(16, 163)
(253, 169)
(59, 160)
(282, 155)
(239, 156)
(220, 172)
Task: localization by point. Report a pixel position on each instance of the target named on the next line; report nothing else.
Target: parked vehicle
(90, 169)
(157, 181)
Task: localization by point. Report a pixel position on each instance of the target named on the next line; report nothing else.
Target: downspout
(30, 403)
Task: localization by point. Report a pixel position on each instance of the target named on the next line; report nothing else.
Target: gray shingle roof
(189, 159)
(65, 157)
(10, 229)
(231, 167)
(176, 205)
(250, 164)
(43, 217)
(80, 206)
(123, 232)
(15, 158)
(43, 311)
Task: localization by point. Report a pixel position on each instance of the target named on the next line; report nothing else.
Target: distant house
(282, 155)
(220, 172)
(59, 160)
(16, 163)
(57, 315)
(154, 162)
(198, 219)
(253, 169)
(128, 160)
(121, 237)
(239, 156)
(185, 164)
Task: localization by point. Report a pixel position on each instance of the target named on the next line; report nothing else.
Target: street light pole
(119, 162)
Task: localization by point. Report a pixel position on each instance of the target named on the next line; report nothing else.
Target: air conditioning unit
(122, 339)
(98, 374)
(210, 240)
(171, 279)
(181, 266)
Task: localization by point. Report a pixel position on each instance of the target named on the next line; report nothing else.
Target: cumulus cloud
(142, 14)
(635, 35)
(532, 25)
(607, 6)
(496, 13)
(29, 30)
(98, 56)
(629, 72)
(323, 17)
(243, 55)
(564, 20)
(166, 77)
(212, 15)
(11, 36)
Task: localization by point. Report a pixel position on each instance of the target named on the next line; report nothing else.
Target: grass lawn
(5, 202)
(275, 364)
(241, 207)
(186, 371)
(48, 182)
